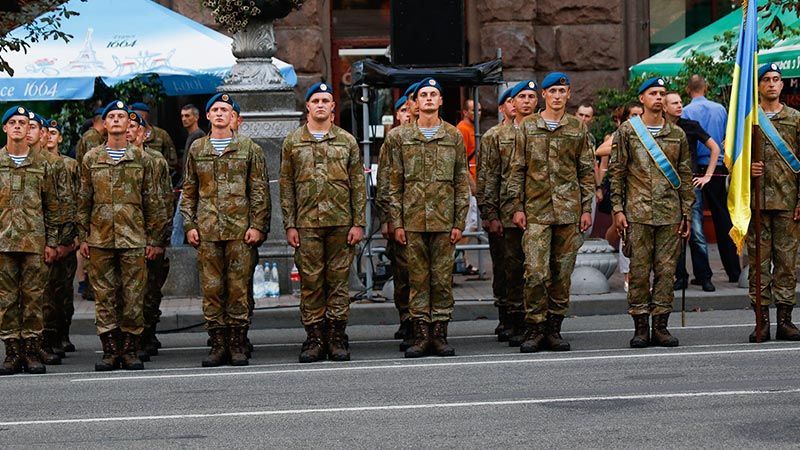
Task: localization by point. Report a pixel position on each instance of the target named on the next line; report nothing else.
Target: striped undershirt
(18, 159)
(552, 124)
(429, 132)
(654, 130)
(220, 144)
(318, 136)
(116, 155)
(770, 115)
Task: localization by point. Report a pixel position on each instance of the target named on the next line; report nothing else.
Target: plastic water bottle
(275, 291)
(295, 277)
(267, 289)
(258, 281)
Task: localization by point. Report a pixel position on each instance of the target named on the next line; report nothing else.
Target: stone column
(268, 110)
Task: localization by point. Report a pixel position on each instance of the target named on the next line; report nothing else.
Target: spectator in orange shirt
(467, 129)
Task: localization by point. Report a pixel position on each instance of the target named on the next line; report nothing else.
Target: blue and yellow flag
(742, 115)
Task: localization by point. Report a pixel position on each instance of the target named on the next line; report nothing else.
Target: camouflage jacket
(779, 185)
(164, 182)
(29, 208)
(428, 186)
(553, 173)
(119, 204)
(322, 182)
(639, 188)
(498, 145)
(73, 178)
(65, 195)
(90, 139)
(382, 189)
(225, 195)
(160, 141)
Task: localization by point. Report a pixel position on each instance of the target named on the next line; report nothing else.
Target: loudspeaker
(428, 33)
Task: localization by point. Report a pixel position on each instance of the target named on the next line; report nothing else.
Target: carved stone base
(251, 74)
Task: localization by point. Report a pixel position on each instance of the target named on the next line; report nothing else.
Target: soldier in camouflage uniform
(780, 212)
(156, 138)
(551, 188)
(119, 219)
(323, 197)
(158, 268)
(428, 198)
(94, 136)
(59, 309)
(226, 211)
(651, 212)
(395, 252)
(29, 215)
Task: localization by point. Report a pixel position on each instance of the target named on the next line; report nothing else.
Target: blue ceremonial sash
(655, 152)
(777, 141)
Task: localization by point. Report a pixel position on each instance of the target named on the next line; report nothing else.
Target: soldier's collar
(306, 135)
(106, 158)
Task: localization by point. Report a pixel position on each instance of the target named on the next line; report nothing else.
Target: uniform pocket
(445, 162)
(237, 175)
(337, 157)
(304, 163)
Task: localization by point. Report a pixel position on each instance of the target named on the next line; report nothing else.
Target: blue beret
(411, 90)
(14, 111)
(524, 85)
(400, 102)
(116, 105)
(35, 117)
(504, 96)
(53, 123)
(98, 112)
(652, 82)
(139, 106)
(555, 79)
(220, 97)
(318, 87)
(428, 82)
(236, 107)
(136, 117)
(771, 67)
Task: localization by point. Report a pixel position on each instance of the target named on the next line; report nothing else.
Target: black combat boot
(439, 344)
(502, 312)
(69, 347)
(516, 328)
(128, 358)
(764, 319)
(218, 355)
(46, 353)
(422, 340)
(53, 342)
(13, 361)
(111, 348)
(31, 351)
(534, 339)
(149, 342)
(659, 335)
(237, 346)
(552, 339)
(641, 333)
(141, 351)
(786, 330)
(313, 349)
(338, 341)
(404, 330)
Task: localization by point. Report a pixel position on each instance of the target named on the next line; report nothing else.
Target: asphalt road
(715, 390)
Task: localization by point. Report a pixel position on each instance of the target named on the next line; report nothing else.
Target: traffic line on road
(440, 365)
(357, 409)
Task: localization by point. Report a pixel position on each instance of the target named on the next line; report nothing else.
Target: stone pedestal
(595, 264)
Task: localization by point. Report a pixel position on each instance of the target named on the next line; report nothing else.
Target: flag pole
(756, 182)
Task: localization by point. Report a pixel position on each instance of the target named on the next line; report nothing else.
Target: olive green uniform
(160, 141)
(323, 195)
(89, 140)
(158, 269)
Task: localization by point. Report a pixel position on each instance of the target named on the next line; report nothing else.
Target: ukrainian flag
(742, 115)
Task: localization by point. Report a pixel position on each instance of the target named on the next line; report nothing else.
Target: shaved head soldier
(652, 206)
(323, 197)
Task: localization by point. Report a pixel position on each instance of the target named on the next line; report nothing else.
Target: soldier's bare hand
(796, 214)
(685, 228)
(586, 221)
(293, 237)
(253, 236)
(50, 255)
(520, 220)
(455, 235)
(193, 238)
(757, 169)
(355, 235)
(151, 253)
(621, 222)
(385, 231)
(495, 227)
(84, 250)
(62, 251)
(400, 236)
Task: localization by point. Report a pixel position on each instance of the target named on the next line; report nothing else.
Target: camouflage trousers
(550, 252)
(497, 253)
(157, 271)
(58, 306)
(119, 277)
(323, 260)
(514, 269)
(251, 299)
(430, 274)
(656, 249)
(780, 236)
(23, 280)
(397, 256)
(225, 274)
